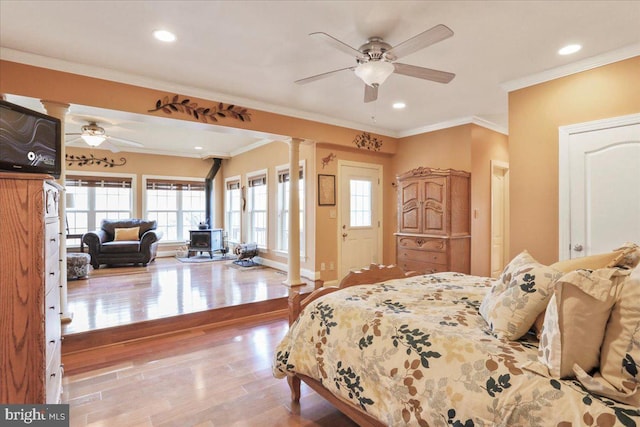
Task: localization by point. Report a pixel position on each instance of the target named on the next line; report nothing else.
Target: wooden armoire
(434, 220)
(30, 332)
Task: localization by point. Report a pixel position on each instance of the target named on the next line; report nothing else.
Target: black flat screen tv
(29, 141)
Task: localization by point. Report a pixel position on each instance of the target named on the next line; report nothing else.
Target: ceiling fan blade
(73, 133)
(109, 146)
(423, 73)
(370, 93)
(422, 40)
(338, 44)
(124, 141)
(321, 76)
(72, 140)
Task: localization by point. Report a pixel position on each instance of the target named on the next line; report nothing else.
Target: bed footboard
(375, 273)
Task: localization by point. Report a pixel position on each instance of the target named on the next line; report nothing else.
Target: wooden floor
(164, 288)
(208, 375)
(215, 376)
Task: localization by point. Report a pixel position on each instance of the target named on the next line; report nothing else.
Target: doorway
(499, 216)
(360, 215)
(599, 206)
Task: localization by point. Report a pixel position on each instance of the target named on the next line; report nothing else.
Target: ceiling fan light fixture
(374, 72)
(93, 140)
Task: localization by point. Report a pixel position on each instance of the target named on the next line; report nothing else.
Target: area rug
(206, 258)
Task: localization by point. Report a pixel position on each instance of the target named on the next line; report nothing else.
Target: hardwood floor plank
(216, 376)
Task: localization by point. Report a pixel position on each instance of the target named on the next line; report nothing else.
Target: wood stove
(208, 240)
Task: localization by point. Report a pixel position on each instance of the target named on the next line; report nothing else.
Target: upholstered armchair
(124, 241)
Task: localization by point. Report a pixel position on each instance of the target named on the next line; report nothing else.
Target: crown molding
(13, 55)
(621, 54)
(455, 122)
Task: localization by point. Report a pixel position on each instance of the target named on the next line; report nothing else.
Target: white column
(293, 274)
(59, 110)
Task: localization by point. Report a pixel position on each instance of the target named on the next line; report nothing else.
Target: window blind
(283, 175)
(97, 181)
(175, 185)
(256, 181)
(233, 185)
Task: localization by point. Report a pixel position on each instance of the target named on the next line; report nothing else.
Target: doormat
(205, 258)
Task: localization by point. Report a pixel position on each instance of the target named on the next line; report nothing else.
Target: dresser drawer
(51, 196)
(422, 256)
(52, 323)
(53, 377)
(424, 243)
(422, 267)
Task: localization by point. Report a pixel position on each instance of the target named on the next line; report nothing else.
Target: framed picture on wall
(326, 190)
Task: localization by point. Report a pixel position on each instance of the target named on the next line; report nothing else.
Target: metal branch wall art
(204, 114)
(365, 140)
(90, 160)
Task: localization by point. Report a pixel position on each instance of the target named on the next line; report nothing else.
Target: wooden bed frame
(374, 274)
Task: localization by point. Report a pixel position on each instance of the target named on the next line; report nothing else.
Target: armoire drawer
(424, 243)
(422, 267)
(422, 256)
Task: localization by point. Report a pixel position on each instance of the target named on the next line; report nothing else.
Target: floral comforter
(416, 352)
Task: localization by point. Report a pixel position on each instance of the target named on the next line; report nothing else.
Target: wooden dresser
(434, 220)
(30, 335)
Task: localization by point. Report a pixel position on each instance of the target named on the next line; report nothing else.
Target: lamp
(374, 72)
(93, 140)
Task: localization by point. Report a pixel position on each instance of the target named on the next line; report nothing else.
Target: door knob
(344, 235)
(578, 248)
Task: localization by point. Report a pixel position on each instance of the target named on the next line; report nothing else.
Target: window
(283, 209)
(90, 199)
(360, 203)
(233, 200)
(257, 209)
(177, 204)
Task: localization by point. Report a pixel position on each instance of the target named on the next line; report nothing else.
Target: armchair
(118, 242)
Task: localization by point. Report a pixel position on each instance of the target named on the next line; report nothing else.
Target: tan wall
(142, 164)
(269, 157)
(470, 148)
(26, 80)
(327, 228)
(486, 145)
(535, 113)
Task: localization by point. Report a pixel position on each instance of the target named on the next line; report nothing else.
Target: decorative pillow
(518, 296)
(629, 256)
(624, 256)
(127, 233)
(591, 262)
(619, 376)
(576, 318)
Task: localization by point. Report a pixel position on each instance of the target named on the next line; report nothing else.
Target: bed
(393, 348)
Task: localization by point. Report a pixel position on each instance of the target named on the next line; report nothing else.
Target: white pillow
(519, 295)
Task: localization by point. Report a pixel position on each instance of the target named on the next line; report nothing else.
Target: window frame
(262, 173)
(92, 223)
(227, 211)
(179, 211)
(280, 199)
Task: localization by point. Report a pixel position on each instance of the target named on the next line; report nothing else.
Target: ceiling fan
(95, 135)
(375, 59)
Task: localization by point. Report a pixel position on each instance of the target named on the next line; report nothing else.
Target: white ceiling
(251, 52)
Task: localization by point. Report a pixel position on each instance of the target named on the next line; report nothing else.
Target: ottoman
(77, 265)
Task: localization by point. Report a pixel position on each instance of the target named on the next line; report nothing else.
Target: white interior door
(360, 240)
(604, 194)
(499, 216)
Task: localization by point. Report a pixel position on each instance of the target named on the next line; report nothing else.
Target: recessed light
(197, 148)
(399, 105)
(569, 49)
(164, 36)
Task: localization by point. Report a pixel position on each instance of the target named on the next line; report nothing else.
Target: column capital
(55, 108)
